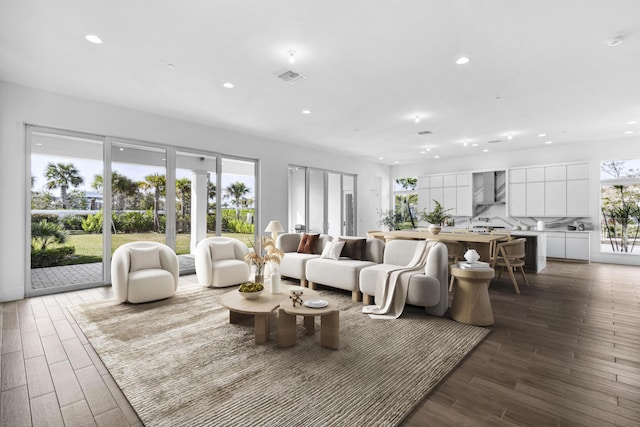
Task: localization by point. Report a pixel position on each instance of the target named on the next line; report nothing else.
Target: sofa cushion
(353, 248)
(144, 258)
(308, 243)
(149, 285)
(342, 273)
(333, 250)
(222, 250)
(293, 264)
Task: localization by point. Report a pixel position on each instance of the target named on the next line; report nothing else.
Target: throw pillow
(332, 250)
(308, 243)
(353, 248)
(144, 258)
(222, 250)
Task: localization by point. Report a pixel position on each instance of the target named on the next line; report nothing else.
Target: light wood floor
(564, 352)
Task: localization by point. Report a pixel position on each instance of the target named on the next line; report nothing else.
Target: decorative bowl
(251, 295)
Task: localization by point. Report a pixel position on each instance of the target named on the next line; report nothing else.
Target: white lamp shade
(274, 227)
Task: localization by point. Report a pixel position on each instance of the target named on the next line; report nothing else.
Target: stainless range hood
(489, 188)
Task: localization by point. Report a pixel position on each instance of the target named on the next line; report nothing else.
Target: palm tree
(408, 184)
(157, 183)
(236, 192)
(183, 191)
(62, 175)
(121, 188)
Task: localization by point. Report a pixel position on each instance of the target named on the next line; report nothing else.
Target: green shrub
(50, 257)
(52, 218)
(93, 223)
(72, 222)
(133, 222)
(239, 226)
(44, 233)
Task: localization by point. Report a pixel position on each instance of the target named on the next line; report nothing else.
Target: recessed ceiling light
(548, 142)
(93, 39)
(396, 162)
(436, 157)
(474, 145)
(486, 150)
(632, 122)
(615, 41)
(629, 132)
(417, 119)
(428, 149)
(462, 60)
(39, 144)
(465, 144)
(542, 135)
(423, 152)
(228, 85)
(121, 149)
(380, 158)
(306, 111)
(510, 136)
(292, 56)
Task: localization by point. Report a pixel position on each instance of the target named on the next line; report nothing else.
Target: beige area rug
(180, 363)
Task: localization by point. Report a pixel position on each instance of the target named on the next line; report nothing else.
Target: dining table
(483, 243)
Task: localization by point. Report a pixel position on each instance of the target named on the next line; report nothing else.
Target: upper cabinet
(552, 191)
(452, 191)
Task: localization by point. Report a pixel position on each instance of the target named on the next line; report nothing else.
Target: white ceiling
(537, 66)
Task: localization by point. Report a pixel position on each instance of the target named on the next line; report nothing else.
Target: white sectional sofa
(428, 290)
(293, 264)
(344, 273)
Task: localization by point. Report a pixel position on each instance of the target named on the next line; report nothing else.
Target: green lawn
(91, 244)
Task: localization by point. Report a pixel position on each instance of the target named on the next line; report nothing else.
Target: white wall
(591, 152)
(20, 105)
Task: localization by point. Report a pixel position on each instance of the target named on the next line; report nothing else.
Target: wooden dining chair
(510, 256)
(493, 249)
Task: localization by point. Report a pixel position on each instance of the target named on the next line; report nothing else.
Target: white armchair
(144, 271)
(220, 262)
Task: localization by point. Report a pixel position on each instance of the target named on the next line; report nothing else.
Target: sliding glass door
(321, 201)
(91, 194)
(65, 210)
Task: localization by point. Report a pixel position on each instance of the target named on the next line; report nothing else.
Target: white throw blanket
(392, 290)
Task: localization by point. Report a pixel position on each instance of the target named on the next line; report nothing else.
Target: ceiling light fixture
(486, 150)
(632, 122)
(292, 56)
(428, 149)
(509, 136)
(306, 111)
(465, 144)
(396, 162)
(617, 40)
(548, 142)
(542, 135)
(462, 60)
(228, 85)
(436, 157)
(380, 158)
(417, 120)
(629, 132)
(474, 145)
(93, 39)
(423, 152)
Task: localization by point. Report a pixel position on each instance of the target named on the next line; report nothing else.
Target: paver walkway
(55, 277)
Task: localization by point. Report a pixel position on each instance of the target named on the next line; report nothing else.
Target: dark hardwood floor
(563, 352)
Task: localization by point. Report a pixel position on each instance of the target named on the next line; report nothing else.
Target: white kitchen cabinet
(556, 244)
(578, 171)
(464, 197)
(517, 175)
(423, 199)
(555, 198)
(535, 199)
(578, 198)
(449, 180)
(436, 194)
(435, 181)
(535, 174)
(555, 173)
(518, 199)
(463, 180)
(578, 246)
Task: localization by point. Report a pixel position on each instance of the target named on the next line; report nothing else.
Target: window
(405, 203)
(619, 206)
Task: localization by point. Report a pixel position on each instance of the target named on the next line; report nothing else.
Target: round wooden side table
(471, 304)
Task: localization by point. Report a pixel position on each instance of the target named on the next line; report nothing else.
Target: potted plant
(388, 219)
(436, 217)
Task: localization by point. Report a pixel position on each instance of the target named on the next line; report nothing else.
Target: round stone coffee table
(329, 323)
(471, 304)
